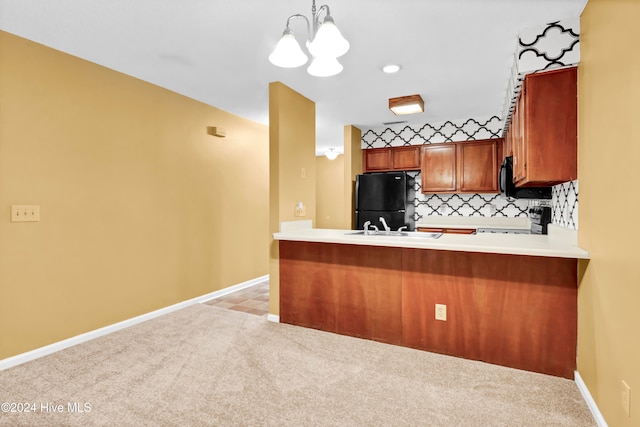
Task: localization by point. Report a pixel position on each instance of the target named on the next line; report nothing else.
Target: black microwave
(509, 190)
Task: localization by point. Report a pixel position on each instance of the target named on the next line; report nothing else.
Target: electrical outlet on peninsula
(441, 312)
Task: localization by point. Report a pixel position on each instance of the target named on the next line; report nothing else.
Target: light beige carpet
(204, 366)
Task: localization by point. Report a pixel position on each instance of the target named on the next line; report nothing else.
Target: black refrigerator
(388, 195)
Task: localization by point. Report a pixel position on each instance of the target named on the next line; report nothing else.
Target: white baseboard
(586, 395)
(231, 289)
(19, 359)
(273, 318)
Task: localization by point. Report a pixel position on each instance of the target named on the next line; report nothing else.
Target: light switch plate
(25, 213)
(626, 399)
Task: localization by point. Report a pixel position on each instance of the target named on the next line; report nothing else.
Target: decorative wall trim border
(19, 359)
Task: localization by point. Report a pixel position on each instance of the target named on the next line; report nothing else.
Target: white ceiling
(456, 53)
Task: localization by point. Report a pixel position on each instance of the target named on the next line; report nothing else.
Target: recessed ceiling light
(391, 68)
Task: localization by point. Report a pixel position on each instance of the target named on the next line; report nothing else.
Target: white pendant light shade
(324, 42)
(328, 40)
(324, 66)
(287, 52)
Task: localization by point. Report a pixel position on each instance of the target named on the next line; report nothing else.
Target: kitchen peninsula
(510, 299)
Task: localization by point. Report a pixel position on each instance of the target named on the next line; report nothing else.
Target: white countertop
(559, 243)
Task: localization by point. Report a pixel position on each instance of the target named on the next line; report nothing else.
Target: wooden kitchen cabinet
(512, 310)
(405, 158)
(507, 146)
(439, 168)
(376, 159)
(465, 167)
(335, 288)
(544, 129)
(391, 159)
(478, 167)
(518, 138)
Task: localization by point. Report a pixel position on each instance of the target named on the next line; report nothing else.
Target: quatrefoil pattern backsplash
(565, 197)
(449, 131)
(564, 205)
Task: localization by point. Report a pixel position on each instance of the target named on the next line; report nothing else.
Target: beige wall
(609, 172)
(292, 162)
(140, 208)
(353, 167)
(330, 191)
(336, 183)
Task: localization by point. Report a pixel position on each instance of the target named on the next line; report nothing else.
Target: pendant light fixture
(325, 43)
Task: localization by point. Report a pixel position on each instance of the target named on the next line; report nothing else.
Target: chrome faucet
(366, 226)
(384, 224)
(404, 227)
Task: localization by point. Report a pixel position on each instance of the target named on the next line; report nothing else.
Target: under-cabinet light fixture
(410, 104)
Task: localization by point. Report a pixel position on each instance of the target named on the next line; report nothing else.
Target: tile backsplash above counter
(491, 206)
(474, 222)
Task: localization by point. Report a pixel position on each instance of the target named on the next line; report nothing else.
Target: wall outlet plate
(441, 312)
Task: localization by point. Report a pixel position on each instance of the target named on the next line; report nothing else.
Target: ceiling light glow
(391, 68)
(331, 154)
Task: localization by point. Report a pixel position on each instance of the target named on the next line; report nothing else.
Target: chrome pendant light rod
(312, 28)
(316, 16)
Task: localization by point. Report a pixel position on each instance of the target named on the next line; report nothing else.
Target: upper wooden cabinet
(507, 146)
(439, 168)
(478, 167)
(391, 159)
(376, 159)
(543, 129)
(405, 158)
(466, 167)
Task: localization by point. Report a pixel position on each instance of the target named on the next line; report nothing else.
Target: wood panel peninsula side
(518, 311)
